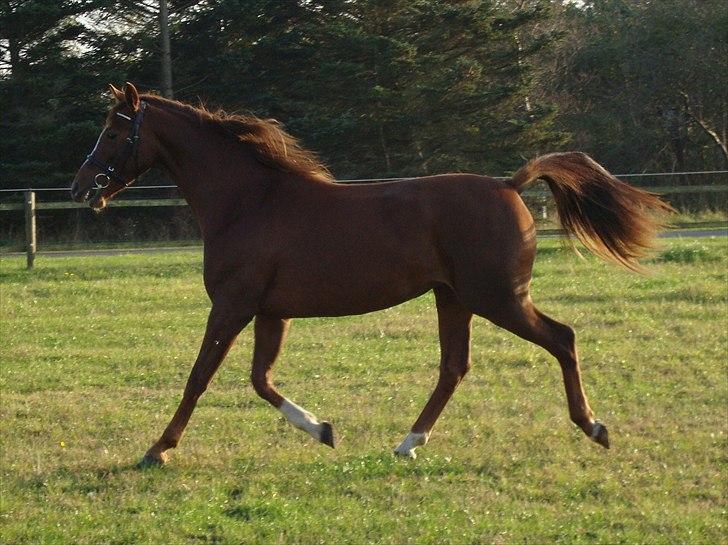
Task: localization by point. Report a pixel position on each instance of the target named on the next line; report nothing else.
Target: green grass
(95, 353)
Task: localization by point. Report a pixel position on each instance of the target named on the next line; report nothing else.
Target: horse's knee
(464, 366)
(453, 369)
(194, 389)
(264, 388)
(260, 383)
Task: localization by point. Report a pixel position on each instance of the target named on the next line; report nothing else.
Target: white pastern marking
(410, 443)
(301, 418)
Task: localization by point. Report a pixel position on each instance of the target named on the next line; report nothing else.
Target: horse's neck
(217, 178)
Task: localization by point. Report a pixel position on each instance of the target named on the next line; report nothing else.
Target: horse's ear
(118, 95)
(132, 96)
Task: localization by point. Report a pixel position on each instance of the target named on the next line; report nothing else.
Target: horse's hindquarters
(489, 250)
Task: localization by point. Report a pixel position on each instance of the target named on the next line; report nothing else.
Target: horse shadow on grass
(85, 480)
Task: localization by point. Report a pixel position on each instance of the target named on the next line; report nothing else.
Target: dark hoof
(327, 436)
(600, 434)
(150, 460)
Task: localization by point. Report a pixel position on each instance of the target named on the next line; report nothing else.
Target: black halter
(111, 170)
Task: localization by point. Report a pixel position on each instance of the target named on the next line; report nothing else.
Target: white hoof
(413, 440)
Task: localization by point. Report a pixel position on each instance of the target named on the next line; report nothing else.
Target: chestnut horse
(282, 240)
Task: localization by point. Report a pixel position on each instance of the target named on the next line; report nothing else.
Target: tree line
(380, 88)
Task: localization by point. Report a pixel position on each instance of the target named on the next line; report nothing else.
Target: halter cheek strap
(110, 171)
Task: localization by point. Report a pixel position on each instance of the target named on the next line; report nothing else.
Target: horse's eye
(111, 135)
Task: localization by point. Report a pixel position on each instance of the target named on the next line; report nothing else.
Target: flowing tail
(612, 219)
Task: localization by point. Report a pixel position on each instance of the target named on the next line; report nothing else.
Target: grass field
(95, 353)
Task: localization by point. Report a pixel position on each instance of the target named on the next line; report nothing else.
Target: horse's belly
(340, 296)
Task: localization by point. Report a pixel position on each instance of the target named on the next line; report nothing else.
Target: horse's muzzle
(79, 195)
(91, 193)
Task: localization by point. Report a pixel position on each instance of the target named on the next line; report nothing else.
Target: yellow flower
(63, 444)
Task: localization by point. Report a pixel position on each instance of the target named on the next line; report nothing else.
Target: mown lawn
(95, 353)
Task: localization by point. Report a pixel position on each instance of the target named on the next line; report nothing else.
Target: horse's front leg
(223, 326)
(270, 333)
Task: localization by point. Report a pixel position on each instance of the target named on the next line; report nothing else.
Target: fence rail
(171, 201)
(30, 205)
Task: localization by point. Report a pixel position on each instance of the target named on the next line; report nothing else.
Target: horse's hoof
(413, 440)
(152, 460)
(327, 436)
(405, 453)
(600, 434)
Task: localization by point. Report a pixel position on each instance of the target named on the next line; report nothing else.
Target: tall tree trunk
(17, 77)
(519, 62)
(14, 49)
(677, 141)
(166, 50)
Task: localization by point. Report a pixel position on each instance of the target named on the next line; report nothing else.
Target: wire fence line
(399, 178)
(178, 201)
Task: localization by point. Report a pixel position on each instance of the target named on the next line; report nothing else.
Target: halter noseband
(111, 170)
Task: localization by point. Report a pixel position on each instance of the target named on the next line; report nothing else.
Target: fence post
(30, 227)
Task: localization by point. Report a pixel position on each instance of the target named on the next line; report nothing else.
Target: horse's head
(123, 151)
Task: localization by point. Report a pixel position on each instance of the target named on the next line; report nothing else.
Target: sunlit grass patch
(695, 251)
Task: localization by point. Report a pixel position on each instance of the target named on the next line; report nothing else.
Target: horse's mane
(266, 138)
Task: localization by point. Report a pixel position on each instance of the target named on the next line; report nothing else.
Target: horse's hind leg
(269, 336)
(454, 328)
(521, 317)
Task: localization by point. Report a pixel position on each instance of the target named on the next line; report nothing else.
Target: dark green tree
(379, 88)
(646, 82)
(42, 95)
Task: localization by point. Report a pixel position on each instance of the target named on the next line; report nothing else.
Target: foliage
(635, 69)
(379, 88)
(43, 92)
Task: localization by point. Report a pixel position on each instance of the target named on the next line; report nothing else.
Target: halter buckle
(98, 185)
